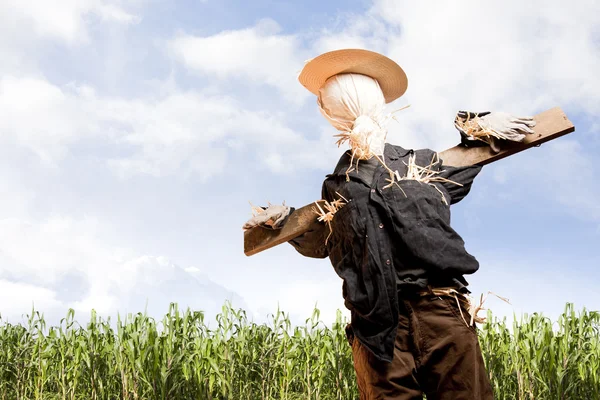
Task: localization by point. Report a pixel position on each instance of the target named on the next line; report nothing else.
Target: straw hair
(389, 75)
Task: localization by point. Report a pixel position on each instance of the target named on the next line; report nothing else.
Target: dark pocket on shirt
(345, 209)
(348, 226)
(418, 200)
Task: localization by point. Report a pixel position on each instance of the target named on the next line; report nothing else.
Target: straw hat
(389, 75)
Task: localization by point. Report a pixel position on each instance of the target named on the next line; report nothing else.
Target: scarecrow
(385, 226)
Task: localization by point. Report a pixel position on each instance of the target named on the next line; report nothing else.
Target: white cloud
(42, 117)
(363, 31)
(188, 133)
(178, 132)
(15, 200)
(63, 19)
(114, 13)
(62, 262)
(257, 55)
(18, 299)
(61, 245)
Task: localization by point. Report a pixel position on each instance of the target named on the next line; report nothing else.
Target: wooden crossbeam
(550, 125)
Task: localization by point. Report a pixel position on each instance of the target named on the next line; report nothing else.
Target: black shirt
(391, 242)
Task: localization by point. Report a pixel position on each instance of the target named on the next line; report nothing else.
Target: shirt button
(380, 226)
(372, 190)
(388, 262)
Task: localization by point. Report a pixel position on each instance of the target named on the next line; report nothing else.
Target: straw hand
(273, 216)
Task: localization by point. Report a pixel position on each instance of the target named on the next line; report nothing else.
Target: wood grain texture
(550, 124)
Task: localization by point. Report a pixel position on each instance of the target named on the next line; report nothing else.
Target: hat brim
(391, 78)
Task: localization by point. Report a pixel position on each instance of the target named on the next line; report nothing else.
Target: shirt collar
(390, 152)
(393, 152)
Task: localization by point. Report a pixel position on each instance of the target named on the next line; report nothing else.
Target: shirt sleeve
(312, 242)
(462, 175)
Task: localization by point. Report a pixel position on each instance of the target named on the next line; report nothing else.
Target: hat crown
(390, 76)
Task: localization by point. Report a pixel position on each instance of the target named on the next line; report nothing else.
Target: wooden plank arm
(258, 238)
(550, 124)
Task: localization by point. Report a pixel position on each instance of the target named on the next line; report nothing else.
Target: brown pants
(436, 353)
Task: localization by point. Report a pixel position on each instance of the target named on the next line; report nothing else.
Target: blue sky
(133, 134)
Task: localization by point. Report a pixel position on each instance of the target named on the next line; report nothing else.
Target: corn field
(181, 358)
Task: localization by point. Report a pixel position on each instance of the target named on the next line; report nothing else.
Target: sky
(134, 134)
